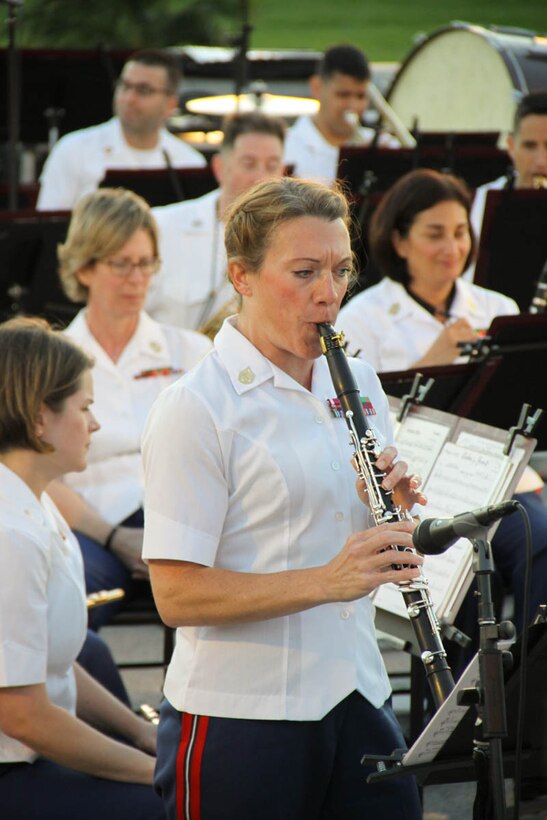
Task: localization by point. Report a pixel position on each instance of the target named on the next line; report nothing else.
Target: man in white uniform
(527, 147)
(340, 83)
(145, 96)
(191, 286)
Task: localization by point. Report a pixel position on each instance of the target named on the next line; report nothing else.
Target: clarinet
(383, 509)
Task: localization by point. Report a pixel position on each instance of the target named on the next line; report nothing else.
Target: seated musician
(58, 760)
(108, 260)
(527, 147)
(422, 241)
(192, 284)
(340, 83)
(146, 95)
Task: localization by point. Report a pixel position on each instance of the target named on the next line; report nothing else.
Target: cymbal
(276, 105)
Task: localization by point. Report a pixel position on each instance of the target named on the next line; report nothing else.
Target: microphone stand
(13, 105)
(489, 696)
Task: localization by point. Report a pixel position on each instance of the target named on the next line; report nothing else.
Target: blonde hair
(38, 365)
(257, 213)
(102, 222)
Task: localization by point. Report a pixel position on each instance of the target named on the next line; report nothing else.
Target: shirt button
(339, 516)
(344, 614)
(335, 465)
(319, 420)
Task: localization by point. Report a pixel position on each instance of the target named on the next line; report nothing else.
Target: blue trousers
(229, 769)
(46, 791)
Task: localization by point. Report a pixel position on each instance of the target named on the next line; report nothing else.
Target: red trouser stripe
(188, 773)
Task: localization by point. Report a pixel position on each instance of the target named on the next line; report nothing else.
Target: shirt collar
(400, 304)
(246, 366)
(18, 494)
(147, 340)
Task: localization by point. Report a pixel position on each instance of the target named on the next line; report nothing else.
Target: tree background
(385, 29)
(123, 23)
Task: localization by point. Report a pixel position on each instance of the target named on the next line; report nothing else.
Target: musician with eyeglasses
(145, 96)
(108, 260)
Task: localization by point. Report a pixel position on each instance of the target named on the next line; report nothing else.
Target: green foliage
(122, 23)
(385, 29)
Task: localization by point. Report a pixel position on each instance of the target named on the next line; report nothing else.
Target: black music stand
(513, 246)
(476, 163)
(162, 186)
(453, 762)
(518, 346)
(29, 282)
(448, 381)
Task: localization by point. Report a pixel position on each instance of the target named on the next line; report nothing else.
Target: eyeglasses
(123, 268)
(140, 89)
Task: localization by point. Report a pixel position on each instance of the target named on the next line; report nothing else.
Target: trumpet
(104, 596)
(415, 593)
(539, 182)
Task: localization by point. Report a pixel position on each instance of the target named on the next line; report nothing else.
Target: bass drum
(468, 78)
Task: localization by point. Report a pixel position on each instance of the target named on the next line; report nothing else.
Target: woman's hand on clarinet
(366, 561)
(406, 487)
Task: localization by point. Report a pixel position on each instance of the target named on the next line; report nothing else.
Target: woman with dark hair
(421, 241)
(417, 315)
(58, 760)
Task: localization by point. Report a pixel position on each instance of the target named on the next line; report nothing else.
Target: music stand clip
(524, 427)
(416, 396)
(383, 762)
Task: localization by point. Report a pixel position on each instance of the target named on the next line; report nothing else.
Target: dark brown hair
(413, 193)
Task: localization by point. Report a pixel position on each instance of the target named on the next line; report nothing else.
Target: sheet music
(443, 722)
(461, 480)
(419, 443)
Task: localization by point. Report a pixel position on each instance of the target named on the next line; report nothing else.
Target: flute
(367, 449)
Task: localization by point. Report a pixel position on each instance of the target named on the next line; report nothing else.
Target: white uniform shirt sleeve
(186, 496)
(23, 618)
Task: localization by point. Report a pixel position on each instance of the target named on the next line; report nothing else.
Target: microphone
(435, 535)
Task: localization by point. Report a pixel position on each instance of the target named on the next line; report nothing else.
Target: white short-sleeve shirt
(248, 471)
(125, 390)
(313, 157)
(191, 285)
(386, 327)
(43, 615)
(79, 161)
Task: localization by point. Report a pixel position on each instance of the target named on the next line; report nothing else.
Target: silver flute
(383, 509)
